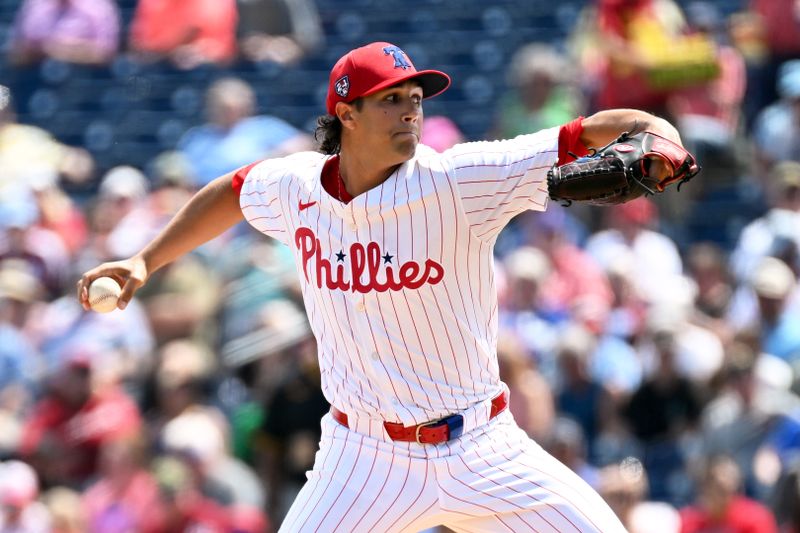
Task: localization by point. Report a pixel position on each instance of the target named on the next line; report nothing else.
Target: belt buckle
(455, 427)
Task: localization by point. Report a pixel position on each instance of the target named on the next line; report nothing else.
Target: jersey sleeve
(499, 179)
(260, 189)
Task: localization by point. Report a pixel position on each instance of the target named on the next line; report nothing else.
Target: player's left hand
(630, 166)
(661, 170)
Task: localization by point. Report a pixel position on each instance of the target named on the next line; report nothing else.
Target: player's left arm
(605, 126)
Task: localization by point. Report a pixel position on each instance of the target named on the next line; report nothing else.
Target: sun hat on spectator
(124, 182)
(773, 279)
(19, 284)
(182, 362)
(171, 168)
(196, 435)
(528, 263)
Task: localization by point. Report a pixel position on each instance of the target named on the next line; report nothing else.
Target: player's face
(389, 122)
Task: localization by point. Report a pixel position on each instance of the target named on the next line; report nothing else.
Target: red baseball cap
(375, 67)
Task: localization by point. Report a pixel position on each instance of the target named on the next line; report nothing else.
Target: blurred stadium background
(654, 348)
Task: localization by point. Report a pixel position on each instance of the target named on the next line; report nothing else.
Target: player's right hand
(129, 273)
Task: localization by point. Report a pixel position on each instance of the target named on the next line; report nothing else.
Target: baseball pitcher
(393, 244)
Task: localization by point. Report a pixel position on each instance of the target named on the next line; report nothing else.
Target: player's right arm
(208, 214)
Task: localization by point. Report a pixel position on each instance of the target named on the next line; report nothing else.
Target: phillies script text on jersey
(363, 259)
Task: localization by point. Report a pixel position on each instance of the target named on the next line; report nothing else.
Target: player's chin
(406, 144)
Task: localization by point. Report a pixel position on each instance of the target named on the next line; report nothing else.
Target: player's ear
(344, 113)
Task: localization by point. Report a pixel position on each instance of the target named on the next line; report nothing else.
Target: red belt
(434, 432)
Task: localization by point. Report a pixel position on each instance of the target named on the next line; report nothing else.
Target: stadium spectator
(771, 29)
(524, 309)
(124, 495)
(626, 320)
(566, 442)
(746, 404)
(777, 321)
(720, 504)
(20, 291)
(533, 406)
(222, 478)
(121, 189)
(183, 507)
(29, 152)
(278, 31)
(776, 131)
(142, 219)
(777, 231)
(664, 410)
(710, 113)
(631, 231)
(627, 50)
(59, 213)
(20, 361)
(698, 351)
(84, 32)
(624, 486)
(542, 93)
(578, 395)
(185, 33)
(71, 422)
(187, 293)
(182, 376)
(707, 267)
(24, 242)
(577, 284)
(233, 136)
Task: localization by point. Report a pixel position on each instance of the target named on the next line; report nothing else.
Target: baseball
(103, 294)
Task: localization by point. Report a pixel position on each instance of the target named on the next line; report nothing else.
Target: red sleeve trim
(238, 179)
(569, 140)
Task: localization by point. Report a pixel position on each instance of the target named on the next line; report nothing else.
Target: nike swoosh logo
(302, 206)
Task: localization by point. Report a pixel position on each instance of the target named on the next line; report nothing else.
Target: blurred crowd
(653, 347)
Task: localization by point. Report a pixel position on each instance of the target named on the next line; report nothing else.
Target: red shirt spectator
(721, 507)
(64, 433)
(781, 20)
(742, 515)
(188, 32)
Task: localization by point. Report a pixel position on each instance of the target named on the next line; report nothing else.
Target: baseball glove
(619, 171)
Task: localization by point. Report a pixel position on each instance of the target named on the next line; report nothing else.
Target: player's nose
(411, 112)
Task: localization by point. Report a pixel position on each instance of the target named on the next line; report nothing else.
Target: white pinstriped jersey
(398, 284)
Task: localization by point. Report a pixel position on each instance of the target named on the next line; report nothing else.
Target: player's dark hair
(329, 131)
(329, 134)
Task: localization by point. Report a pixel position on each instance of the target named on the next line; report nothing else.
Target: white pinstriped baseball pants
(493, 478)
